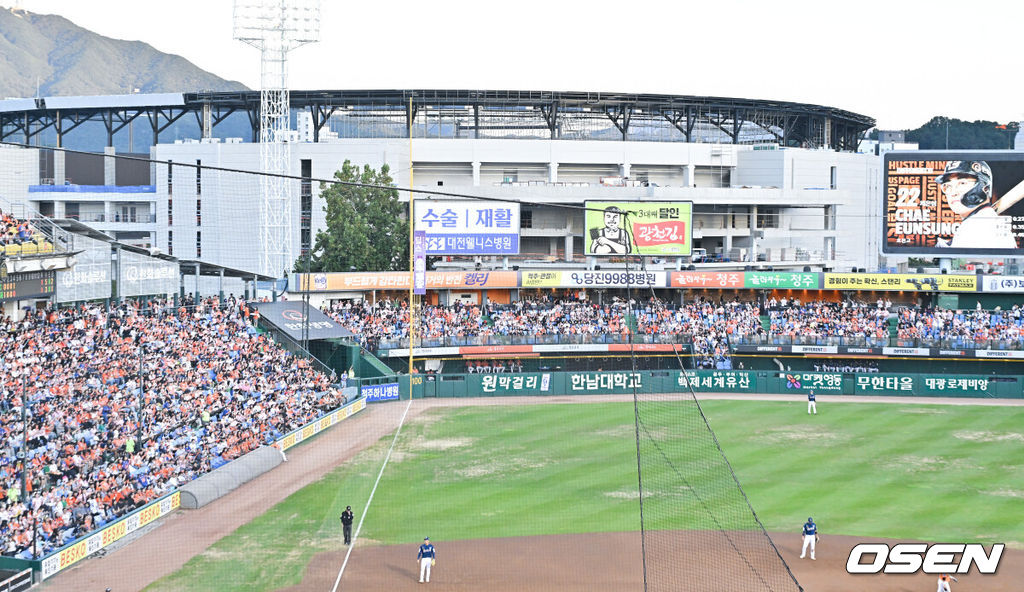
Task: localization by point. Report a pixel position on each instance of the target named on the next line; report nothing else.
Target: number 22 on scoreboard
(907, 197)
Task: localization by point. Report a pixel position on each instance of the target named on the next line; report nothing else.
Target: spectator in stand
(99, 444)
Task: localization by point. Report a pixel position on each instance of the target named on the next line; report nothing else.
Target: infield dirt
(612, 562)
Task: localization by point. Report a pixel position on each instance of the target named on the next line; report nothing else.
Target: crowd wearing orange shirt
(14, 231)
(212, 390)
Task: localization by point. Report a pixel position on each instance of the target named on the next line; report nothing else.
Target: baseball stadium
(627, 342)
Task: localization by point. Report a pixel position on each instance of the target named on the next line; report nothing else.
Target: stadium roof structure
(473, 114)
(185, 266)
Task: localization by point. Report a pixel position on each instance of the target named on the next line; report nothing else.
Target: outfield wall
(727, 381)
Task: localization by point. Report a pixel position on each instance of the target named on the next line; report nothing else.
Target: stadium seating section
(213, 388)
(18, 238)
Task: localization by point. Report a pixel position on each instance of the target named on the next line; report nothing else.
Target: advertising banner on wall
(1003, 283)
(89, 278)
(901, 282)
(592, 279)
(399, 280)
(706, 279)
(954, 203)
(469, 227)
(142, 275)
(419, 270)
(780, 280)
(657, 228)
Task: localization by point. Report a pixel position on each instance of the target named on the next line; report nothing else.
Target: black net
(699, 530)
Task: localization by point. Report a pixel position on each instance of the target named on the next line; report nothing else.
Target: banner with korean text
(901, 282)
(592, 279)
(659, 228)
(469, 227)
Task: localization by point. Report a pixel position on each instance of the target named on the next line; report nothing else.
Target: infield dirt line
(189, 533)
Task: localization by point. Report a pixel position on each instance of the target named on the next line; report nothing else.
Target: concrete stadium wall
(729, 381)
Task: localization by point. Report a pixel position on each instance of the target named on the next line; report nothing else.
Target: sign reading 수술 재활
(469, 227)
(660, 228)
(953, 203)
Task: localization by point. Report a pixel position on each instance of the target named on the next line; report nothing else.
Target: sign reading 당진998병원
(469, 227)
(657, 228)
(954, 203)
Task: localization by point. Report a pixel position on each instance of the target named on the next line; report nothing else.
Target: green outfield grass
(927, 472)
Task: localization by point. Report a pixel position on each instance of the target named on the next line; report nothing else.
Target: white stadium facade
(774, 185)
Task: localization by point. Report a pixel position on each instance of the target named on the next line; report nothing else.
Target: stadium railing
(548, 339)
(849, 341)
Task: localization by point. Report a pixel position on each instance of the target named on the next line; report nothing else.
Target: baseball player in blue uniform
(427, 556)
(810, 537)
(811, 406)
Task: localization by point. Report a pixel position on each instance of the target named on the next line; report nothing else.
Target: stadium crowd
(711, 325)
(826, 321)
(961, 327)
(126, 404)
(14, 231)
(97, 446)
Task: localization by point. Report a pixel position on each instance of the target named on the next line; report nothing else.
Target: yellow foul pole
(412, 256)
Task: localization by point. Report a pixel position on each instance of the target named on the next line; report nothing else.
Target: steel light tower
(275, 27)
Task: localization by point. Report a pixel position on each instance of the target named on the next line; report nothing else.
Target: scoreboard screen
(22, 286)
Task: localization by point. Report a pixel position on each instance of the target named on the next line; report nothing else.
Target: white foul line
(372, 491)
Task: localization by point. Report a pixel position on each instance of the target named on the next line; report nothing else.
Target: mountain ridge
(64, 59)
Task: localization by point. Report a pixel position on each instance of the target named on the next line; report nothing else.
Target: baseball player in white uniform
(427, 556)
(967, 188)
(810, 537)
(811, 405)
(944, 583)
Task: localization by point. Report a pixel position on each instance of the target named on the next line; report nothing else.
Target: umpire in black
(346, 524)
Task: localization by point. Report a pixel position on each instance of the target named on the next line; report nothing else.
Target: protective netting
(698, 527)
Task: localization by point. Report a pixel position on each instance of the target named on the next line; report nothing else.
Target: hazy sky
(899, 61)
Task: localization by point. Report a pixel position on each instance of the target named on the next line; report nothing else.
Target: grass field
(927, 472)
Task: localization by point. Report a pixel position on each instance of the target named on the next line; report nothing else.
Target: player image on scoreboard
(954, 203)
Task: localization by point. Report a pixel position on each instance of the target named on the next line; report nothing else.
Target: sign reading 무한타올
(469, 227)
(953, 203)
(658, 228)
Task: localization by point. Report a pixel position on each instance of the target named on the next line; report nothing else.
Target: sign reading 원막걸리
(954, 203)
(469, 227)
(659, 228)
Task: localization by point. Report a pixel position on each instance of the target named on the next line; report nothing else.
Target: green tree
(367, 227)
(963, 135)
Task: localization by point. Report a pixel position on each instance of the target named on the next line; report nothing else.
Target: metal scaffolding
(276, 27)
